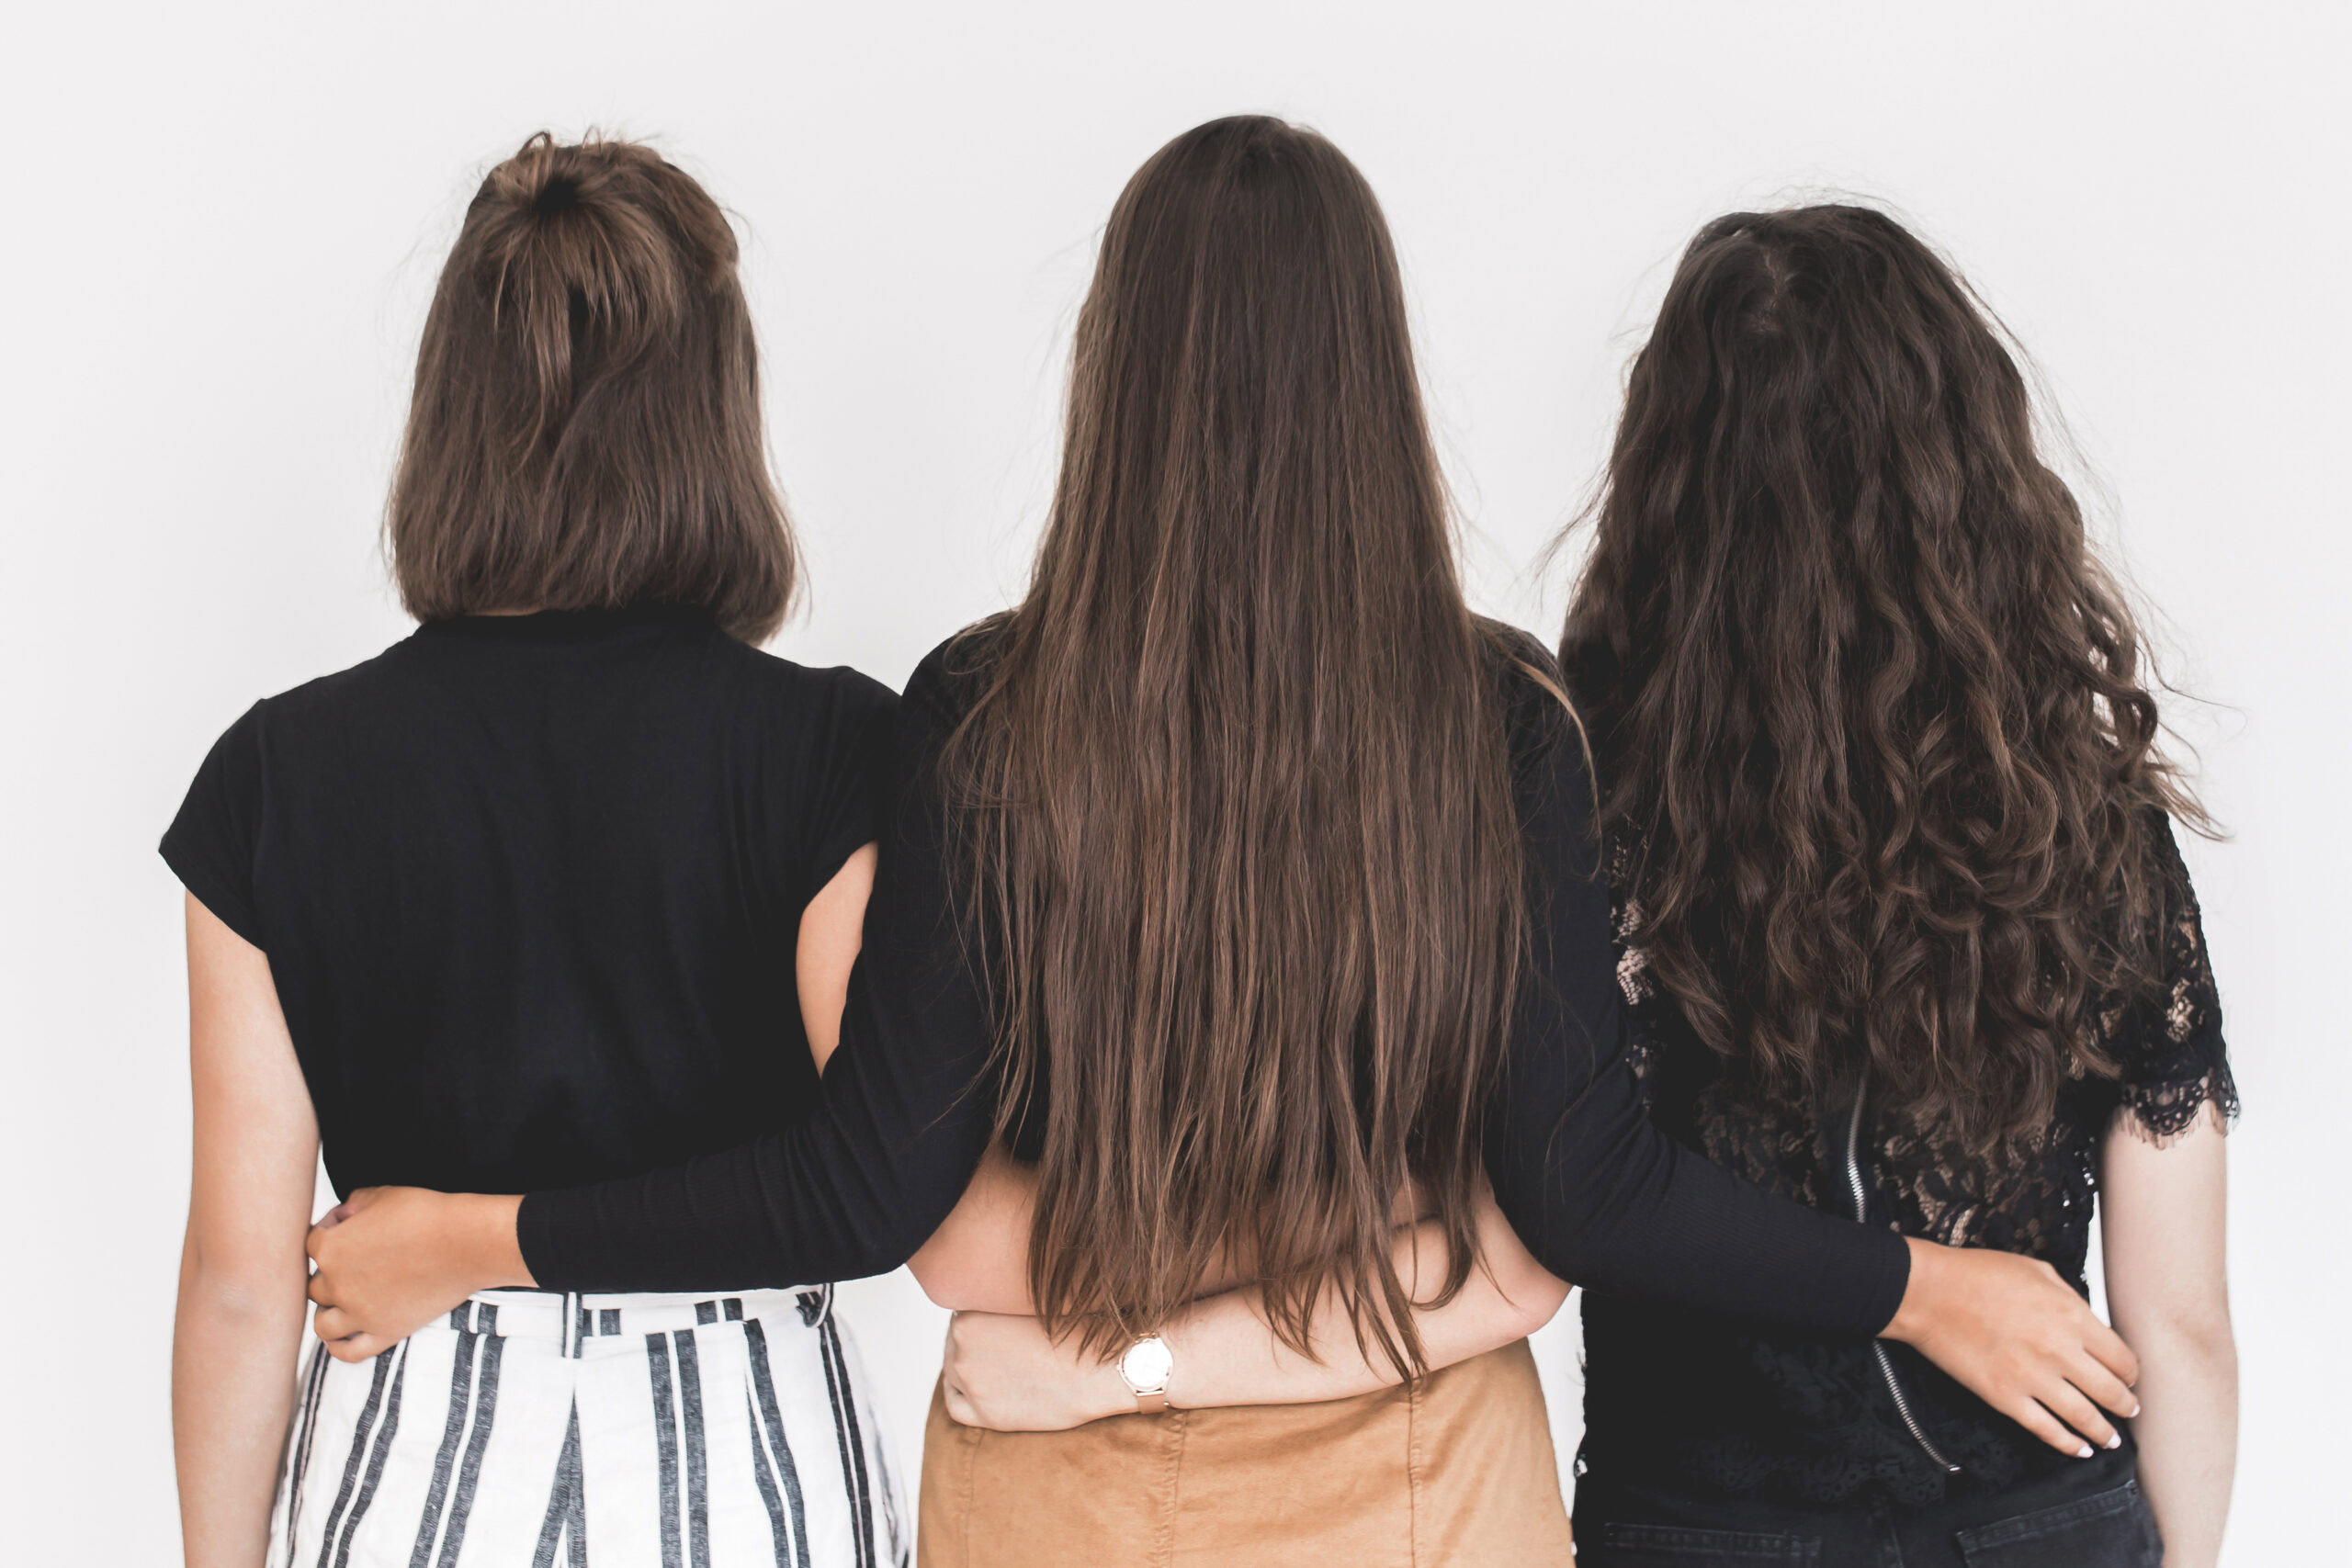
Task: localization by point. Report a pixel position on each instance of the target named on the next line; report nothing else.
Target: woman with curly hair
(1905, 932)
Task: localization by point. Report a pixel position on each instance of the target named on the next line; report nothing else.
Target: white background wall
(221, 224)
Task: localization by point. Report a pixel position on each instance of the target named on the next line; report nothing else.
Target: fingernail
(2132, 1414)
(2116, 1441)
(2084, 1452)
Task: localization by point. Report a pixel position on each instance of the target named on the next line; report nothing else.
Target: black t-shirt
(530, 888)
(1601, 1196)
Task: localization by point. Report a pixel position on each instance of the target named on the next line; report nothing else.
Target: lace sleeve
(2173, 1057)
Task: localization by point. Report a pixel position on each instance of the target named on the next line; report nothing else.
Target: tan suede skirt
(1455, 1468)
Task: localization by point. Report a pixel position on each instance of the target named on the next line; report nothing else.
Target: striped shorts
(564, 1430)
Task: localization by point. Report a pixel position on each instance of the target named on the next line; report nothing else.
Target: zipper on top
(1860, 1191)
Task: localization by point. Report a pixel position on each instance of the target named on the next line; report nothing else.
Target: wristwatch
(1145, 1369)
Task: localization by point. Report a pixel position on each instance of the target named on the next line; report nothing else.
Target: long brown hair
(1236, 797)
(585, 428)
(1872, 718)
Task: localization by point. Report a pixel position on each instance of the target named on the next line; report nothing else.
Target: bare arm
(240, 1320)
(979, 1260)
(1002, 1373)
(2163, 1218)
(832, 929)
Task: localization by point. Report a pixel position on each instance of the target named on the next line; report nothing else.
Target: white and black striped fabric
(566, 1431)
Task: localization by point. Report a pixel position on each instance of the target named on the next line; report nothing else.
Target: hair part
(1235, 801)
(585, 428)
(1871, 716)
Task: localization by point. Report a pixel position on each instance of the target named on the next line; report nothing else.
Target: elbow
(1530, 1295)
(881, 1255)
(1536, 1299)
(961, 1273)
(936, 1270)
(237, 1290)
(944, 1287)
(1534, 1286)
(952, 1280)
(2187, 1328)
(941, 1266)
(2201, 1337)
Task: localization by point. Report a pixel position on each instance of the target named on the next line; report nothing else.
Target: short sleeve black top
(1596, 1190)
(530, 888)
(1719, 1407)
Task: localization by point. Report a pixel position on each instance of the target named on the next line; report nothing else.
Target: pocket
(1675, 1546)
(2112, 1529)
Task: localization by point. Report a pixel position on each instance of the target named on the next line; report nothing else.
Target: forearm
(1003, 1373)
(233, 1348)
(1226, 1354)
(1604, 1198)
(242, 1276)
(2187, 1434)
(795, 1207)
(2164, 1226)
(978, 1260)
(852, 1191)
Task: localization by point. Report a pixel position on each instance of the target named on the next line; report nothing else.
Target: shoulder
(288, 717)
(952, 678)
(834, 694)
(1540, 716)
(2169, 866)
(1523, 666)
(806, 734)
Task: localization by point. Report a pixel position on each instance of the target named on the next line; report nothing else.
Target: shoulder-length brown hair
(585, 428)
(1872, 720)
(1236, 798)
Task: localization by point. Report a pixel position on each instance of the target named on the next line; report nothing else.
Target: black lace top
(1722, 1406)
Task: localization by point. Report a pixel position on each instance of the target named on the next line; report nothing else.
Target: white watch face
(1147, 1364)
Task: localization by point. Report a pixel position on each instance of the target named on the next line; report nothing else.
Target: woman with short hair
(562, 887)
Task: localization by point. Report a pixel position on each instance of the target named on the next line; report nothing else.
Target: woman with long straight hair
(563, 887)
(1240, 891)
(1906, 932)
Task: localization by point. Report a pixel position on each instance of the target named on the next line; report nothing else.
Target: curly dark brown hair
(1873, 721)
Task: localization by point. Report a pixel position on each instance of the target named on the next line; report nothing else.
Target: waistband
(573, 1318)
